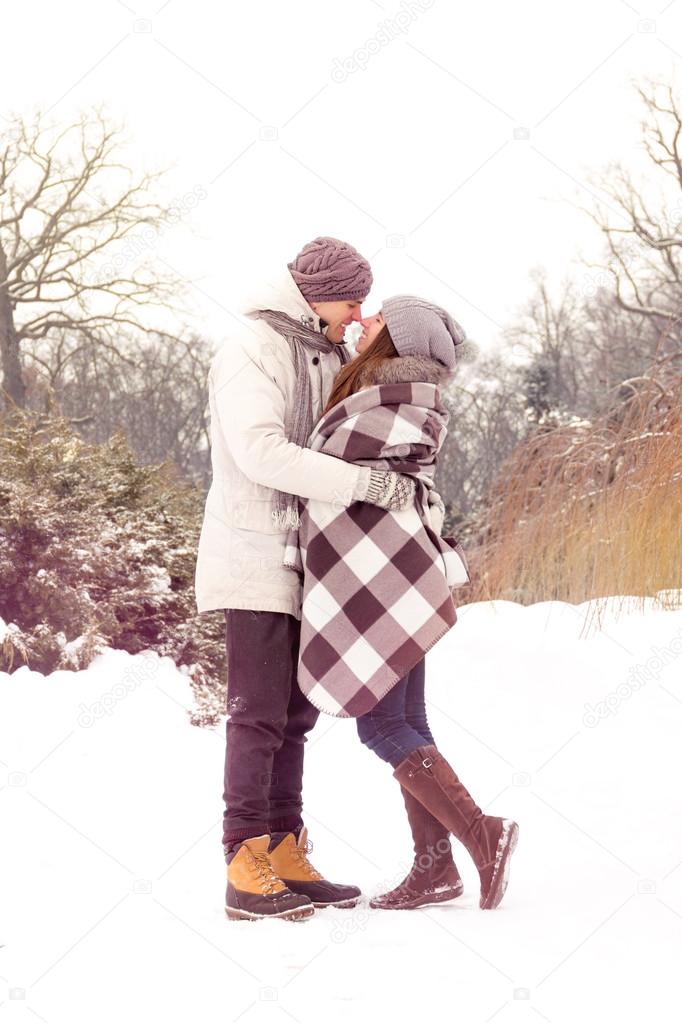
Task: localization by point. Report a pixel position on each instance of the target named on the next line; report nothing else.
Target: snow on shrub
(97, 551)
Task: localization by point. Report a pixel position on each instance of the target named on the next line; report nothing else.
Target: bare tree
(68, 204)
(550, 332)
(644, 238)
(486, 423)
(155, 392)
(578, 345)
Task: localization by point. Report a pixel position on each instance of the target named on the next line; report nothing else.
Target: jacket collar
(282, 294)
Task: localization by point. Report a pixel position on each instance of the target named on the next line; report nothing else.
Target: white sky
(411, 157)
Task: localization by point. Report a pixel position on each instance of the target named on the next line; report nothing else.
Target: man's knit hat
(329, 270)
(418, 327)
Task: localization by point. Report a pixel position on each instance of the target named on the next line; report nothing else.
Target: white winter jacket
(251, 385)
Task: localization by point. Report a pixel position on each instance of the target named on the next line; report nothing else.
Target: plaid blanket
(377, 583)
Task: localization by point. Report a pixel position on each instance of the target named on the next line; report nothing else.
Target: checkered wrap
(377, 583)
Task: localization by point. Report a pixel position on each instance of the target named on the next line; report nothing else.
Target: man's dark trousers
(268, 719)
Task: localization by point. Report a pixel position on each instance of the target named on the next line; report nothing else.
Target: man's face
(372, 326)
(338, 315)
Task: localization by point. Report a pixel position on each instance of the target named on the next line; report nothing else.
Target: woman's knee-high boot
(490, 841)
(434, 876)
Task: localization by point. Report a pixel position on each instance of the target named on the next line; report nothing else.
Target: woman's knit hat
(329, 270)
(418, 327)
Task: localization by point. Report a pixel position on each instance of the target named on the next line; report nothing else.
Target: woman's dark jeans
(269, 718)
(397, 725)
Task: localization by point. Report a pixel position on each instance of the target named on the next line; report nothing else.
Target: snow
(157, 579)
(353, 333)
(111, 868)
(7, 630)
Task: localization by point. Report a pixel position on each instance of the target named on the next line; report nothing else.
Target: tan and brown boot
(490, 841)
(290, 859)
(255, 892)
(434, 877)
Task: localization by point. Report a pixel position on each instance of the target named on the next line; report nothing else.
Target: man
(267, 387)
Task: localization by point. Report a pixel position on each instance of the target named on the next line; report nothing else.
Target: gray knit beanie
(329, 270)
(418, 327)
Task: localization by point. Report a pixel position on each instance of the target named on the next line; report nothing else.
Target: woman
(377, 593)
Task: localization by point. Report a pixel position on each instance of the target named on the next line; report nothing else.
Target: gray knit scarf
(299, 424)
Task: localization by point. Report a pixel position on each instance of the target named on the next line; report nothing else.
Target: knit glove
(390, 490)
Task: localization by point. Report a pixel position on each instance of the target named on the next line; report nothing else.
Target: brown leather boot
(434, 876)
(289, 858)
(490, 841)
(255, 892)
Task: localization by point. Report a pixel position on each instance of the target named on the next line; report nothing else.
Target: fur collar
(405, 369)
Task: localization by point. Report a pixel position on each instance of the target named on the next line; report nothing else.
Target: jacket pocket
(238, 508)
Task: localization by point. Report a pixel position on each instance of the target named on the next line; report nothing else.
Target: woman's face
(372, 326)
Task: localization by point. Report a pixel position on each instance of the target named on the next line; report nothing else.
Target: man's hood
(281, 294)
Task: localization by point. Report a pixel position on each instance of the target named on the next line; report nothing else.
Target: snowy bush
(97, 551)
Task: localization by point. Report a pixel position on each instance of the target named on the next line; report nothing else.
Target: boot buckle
(427, 762)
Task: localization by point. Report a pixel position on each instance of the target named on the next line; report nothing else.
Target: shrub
(97, 551)
(590, 509)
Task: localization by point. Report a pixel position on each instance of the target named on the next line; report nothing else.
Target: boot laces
(300, 852)
(268, 879)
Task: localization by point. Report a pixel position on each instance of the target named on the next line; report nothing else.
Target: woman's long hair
(359, 371)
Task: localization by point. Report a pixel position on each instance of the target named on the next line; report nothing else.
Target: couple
(321, 544)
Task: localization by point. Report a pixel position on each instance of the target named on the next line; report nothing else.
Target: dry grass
(590, 510)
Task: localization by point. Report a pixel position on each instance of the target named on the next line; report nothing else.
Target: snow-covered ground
(112, 876)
